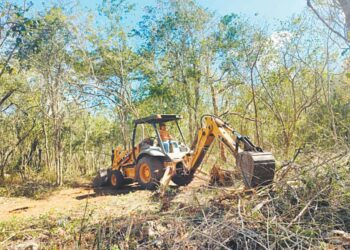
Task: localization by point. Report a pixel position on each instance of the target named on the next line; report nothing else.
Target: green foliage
(70, 87)
(68, 94)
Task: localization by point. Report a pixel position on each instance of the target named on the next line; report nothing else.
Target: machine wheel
(149, 171)
(117, 179)
(181, 178)
(102, 178)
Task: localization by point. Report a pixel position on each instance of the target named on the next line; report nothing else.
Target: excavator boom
(257, 167)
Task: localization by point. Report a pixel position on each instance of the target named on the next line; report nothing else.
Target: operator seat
(146, 143)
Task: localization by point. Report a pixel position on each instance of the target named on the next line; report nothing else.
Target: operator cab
(160, 133)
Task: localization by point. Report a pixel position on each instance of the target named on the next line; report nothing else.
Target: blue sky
(268, 9)
(258, 10)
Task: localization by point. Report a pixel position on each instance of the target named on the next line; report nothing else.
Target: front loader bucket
(257, 168)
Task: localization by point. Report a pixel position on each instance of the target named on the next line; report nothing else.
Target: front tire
(149, 171)
(117, 179)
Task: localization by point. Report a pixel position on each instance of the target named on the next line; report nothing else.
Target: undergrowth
(306, 208)
(39, 187)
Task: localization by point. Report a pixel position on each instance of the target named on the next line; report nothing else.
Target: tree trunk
(197, 84)
(257, 137)
(196, 106)
(216, 113)
(190, 111)
(47, 150)
(345, 5)
(86, 138)
(2, 173)
(57, 120)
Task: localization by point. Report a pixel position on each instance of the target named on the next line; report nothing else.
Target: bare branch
(324, 22)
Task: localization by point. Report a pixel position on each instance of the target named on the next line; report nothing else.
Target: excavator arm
(256, 166)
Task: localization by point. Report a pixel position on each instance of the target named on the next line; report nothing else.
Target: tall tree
(113, 65)
(53, 65)
(174, 35)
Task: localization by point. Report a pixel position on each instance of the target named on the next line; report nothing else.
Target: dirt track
(102, 201)
(73, 201)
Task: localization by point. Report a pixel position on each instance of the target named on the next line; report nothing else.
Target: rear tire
(149, 171)
(117, 179)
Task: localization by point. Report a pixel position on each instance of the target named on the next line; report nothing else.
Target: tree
(175, 38)
(15, 29)
(113, 66)
(53, 65)
(334, 14)
(16, 119)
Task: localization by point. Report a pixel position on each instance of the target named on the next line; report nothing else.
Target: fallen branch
(302, 212)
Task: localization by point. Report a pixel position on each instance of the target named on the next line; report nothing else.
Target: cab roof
(158, 118)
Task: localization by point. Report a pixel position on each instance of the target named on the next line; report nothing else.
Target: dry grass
(30, 189)
(38, 186)
(306, 208)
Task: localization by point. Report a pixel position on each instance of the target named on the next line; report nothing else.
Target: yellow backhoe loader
(159, 155)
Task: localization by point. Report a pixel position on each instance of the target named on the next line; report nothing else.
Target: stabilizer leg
(164, 182)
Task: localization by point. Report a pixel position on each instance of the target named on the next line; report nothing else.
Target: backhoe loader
(159, 155)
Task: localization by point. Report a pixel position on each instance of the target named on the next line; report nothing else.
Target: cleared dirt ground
(75, 217)
(103, 201)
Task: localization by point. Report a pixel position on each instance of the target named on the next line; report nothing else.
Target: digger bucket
(257, 168)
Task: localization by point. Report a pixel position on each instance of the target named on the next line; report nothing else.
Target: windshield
(170, 131)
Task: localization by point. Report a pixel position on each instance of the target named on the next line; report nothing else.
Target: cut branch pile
(306, 208)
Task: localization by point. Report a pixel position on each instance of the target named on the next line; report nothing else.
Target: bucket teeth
(257, 168)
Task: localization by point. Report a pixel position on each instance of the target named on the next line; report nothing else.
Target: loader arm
(257, 167)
